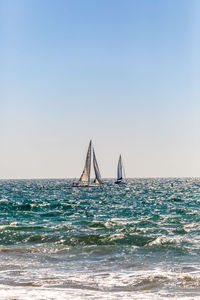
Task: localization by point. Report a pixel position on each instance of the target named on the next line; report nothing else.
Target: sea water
(134, 241)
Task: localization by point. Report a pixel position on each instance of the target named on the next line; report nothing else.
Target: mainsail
(85, 177)
(119, 168)
(98, 179)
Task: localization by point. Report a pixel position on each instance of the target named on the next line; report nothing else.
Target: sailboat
(85, 176)
(120, 171)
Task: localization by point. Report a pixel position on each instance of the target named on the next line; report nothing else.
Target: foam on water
(139, 241)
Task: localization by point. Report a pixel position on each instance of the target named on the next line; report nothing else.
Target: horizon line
(105, 178)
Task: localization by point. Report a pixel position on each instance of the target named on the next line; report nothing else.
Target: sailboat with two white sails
(84, 180)
(120, 172)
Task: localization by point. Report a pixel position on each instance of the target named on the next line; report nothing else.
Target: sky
(125, 74)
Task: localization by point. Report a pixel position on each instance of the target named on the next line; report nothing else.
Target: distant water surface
(139, 241)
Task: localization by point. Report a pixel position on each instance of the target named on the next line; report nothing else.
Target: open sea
(138, 241)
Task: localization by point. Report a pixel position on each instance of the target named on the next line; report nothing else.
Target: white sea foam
(151, 284)
(3, 200)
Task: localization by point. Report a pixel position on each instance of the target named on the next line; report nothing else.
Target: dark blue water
(141, 240)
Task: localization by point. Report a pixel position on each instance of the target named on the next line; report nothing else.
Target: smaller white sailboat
(85, 176)
(120, 172)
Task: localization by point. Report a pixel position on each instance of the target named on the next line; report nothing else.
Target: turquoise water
(139, 241)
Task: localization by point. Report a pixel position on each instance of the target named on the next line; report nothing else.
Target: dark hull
(120, 182)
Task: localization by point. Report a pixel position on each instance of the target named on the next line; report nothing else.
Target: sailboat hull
(79, 184)
(120, 182)
(88, 185)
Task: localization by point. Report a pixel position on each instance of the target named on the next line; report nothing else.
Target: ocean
(138, 241)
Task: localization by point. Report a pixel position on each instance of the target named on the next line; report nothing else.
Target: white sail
(98, 179)
(85, 177)
(119, 168)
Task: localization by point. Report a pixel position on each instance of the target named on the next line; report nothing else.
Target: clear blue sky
(124, 73)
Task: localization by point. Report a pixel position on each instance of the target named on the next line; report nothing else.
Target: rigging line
(123, 170)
